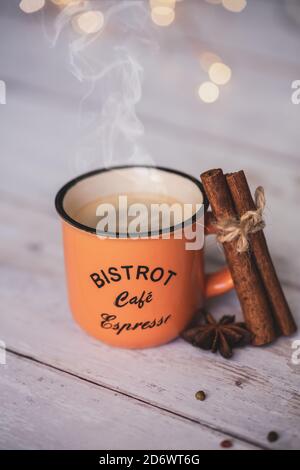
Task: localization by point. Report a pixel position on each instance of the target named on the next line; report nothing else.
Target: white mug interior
(128, 181)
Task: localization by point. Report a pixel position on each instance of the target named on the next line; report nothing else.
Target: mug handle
(221, 281)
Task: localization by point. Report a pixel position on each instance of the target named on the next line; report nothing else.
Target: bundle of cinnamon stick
(266, 311)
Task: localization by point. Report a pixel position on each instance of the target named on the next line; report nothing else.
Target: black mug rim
(59, 199)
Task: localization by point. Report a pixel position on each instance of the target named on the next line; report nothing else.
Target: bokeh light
(235, 6)
(31, 6)
(208, 92)
(163, 16)
(61, 3)
(64, 3)
(207, 59)
(219, 73)
(162, 3)
(89, 22)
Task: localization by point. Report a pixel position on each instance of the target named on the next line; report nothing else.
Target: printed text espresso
(130, 272)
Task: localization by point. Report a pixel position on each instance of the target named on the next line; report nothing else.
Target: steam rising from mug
(108, 62)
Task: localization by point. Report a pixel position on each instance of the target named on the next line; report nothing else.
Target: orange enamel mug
(135, 292)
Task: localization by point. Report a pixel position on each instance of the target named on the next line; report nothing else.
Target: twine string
(250, 222)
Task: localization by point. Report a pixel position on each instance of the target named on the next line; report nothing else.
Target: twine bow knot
(250, 222)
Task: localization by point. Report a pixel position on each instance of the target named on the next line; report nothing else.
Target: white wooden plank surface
(253, 126)
(167, 376)
(46, 409)
(36, 321)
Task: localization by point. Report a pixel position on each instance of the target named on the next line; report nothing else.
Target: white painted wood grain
(36, 322)
(31, 238)
(253, 126)
(45, 409)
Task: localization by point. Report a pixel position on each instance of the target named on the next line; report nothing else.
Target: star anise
(220, 336)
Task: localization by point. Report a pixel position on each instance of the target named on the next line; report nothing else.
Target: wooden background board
(62, 389)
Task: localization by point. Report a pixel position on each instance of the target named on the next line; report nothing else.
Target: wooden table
(62, 389)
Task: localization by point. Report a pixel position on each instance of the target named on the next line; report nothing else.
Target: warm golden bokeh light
(235, 6)
(162, 3)
(207, 59)
(64, 3)
(208, 92)
(89, 22)
(31, 6)
(163, 16)
(219, 73)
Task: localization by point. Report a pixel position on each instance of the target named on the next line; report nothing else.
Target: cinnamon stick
(246, 278)
(243, 202)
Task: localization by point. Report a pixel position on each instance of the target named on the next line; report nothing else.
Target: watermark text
(139, 220)
(295, 359)
(295, 97)
(2, 92)
(2, 353)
